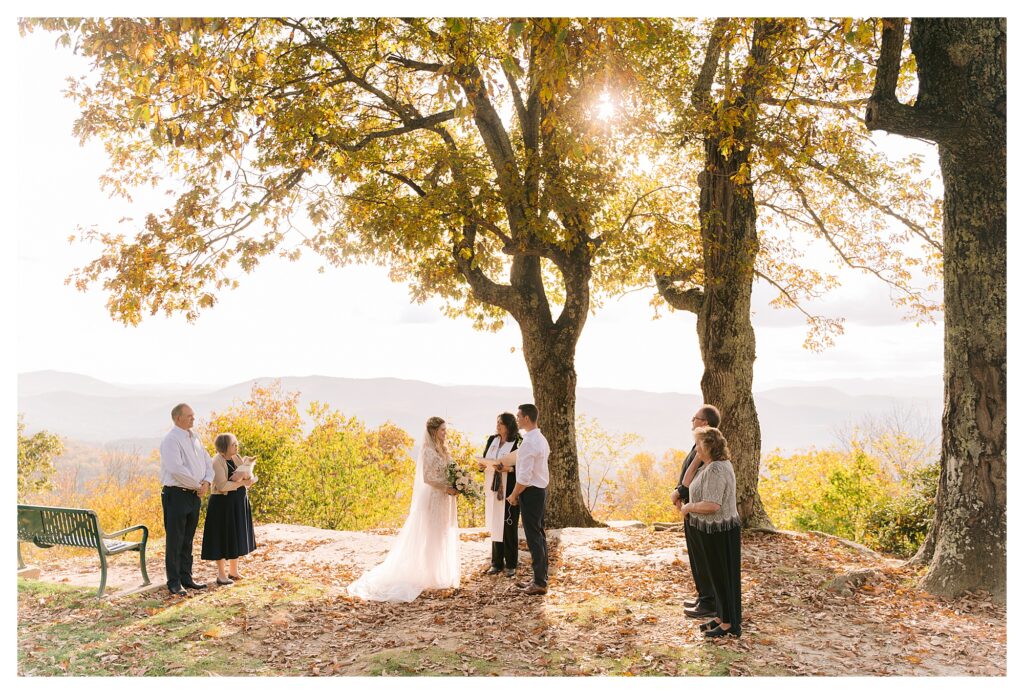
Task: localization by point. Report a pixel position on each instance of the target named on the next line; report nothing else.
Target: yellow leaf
(214, 632)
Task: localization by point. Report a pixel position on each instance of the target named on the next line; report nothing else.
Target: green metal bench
(46, 526)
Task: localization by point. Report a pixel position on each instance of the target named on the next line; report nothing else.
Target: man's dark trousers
(699, 566)
(532, 501)
(181, 517)
(694, 551)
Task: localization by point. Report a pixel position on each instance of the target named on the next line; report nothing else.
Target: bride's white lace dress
(425, 554)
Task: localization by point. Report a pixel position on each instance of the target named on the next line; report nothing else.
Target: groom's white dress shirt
(532, 460)
(183, 460)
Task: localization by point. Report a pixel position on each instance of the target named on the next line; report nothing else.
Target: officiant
(228, 533)
(499, 480)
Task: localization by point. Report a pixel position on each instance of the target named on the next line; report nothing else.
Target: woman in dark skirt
(228, 533)
(713, 515)
(502, 518)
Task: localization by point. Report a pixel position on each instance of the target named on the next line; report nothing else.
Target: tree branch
(483, 287)
(702, 89)
(422, 123)
(789, 297)
(497, 144)
(816, 103)
(517, 97)
(600, 238)
(881, 207)
(681, 299)
(407, 181)
(888, 68)
(884, 110)
(396, 59)
(830, 237)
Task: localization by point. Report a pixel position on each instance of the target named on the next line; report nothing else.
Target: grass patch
(600, 607)
(428, 661)
(67, 630)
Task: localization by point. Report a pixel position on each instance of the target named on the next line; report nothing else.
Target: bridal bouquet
(460, 478)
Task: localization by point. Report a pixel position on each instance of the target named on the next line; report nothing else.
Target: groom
(531, 491)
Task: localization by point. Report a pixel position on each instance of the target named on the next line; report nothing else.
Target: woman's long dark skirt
(721, 550)
(228, 533)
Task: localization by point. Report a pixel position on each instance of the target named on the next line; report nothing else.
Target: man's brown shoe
(534, 589)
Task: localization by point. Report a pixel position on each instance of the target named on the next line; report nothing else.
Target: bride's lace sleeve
(435, 470)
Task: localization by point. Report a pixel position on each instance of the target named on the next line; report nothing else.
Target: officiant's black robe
(505, 554)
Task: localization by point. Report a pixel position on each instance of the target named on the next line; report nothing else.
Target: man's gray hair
(178, 409)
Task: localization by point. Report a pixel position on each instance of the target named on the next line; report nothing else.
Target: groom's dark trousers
(532, 501)
(181, 517)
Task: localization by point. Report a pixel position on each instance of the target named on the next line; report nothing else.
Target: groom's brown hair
(529, 411)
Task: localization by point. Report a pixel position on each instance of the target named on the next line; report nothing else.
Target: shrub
(340, 475)
(853, 495)
(36, 454)
(642, 488)
(902, 525)
(599, 452)
(125, 493)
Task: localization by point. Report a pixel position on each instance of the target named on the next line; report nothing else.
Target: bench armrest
(119, 533)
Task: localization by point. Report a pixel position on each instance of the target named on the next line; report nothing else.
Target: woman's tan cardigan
(221, 483)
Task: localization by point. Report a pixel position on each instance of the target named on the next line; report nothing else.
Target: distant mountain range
(794, 416)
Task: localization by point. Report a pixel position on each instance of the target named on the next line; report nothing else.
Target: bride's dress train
(425, 554)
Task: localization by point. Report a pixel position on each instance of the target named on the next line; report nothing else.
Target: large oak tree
(961, 106)
(773, 119)
(468, 155)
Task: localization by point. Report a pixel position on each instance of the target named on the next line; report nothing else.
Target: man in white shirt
(531, 494)
(186, 471)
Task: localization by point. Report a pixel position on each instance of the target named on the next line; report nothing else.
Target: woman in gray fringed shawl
(712, 513)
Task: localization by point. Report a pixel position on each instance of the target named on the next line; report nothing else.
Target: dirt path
(614, 607)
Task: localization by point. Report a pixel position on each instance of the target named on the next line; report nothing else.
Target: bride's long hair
(433, 424)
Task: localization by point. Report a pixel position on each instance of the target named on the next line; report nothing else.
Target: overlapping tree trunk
(728, 223)
(961, 106)
(724, 329)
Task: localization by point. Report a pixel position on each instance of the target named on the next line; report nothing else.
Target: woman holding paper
(228, 533)
(499, 480)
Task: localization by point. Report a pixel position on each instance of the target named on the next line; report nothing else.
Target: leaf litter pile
(811, 606)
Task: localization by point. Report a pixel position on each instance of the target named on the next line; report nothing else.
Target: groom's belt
(181, 489)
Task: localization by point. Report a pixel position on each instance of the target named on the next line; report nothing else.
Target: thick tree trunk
(728, 221)
(551, 363)
(549, 348)
(961, 105)
(726, 334)
(970, 523)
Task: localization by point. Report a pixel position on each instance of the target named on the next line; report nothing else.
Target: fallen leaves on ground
(598, 618)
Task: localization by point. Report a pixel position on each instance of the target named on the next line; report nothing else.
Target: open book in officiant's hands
(245, 470)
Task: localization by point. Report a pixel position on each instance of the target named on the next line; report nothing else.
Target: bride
(426, 552)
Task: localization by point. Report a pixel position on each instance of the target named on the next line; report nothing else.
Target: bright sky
(286, 319)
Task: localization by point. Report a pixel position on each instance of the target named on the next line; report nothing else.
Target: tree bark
(728, 222)
(970, 522)
(549, 348)
(553, 375)
(725, 332)
(961, 105)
